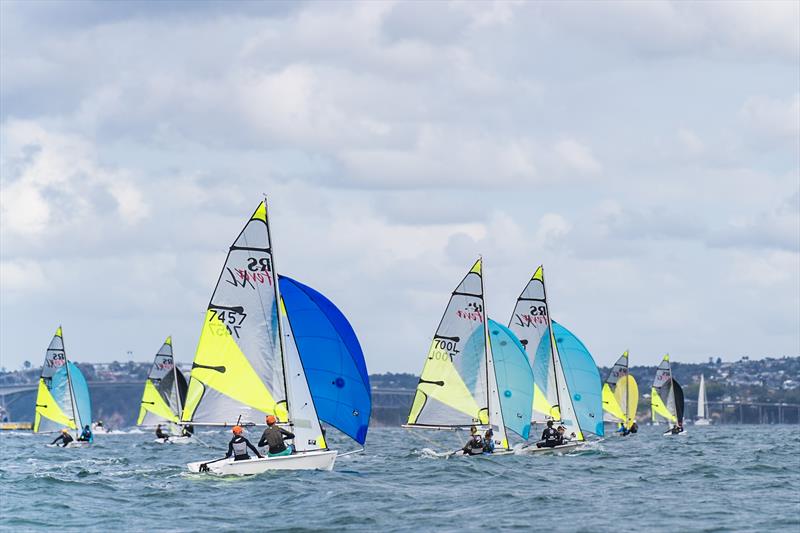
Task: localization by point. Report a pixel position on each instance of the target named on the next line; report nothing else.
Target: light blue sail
(583, 380)
(83, 402)
(60, 390)
(514, 378)
(332, 359)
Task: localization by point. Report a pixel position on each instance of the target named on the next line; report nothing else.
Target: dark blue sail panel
(583, 379)
(332, 359)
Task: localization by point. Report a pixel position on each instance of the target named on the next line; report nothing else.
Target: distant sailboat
(164, 393)
(476, 372)
(702, 405)
(620, 394)
(62, 400)
(666, 398)
(566, 380)
(249, 362)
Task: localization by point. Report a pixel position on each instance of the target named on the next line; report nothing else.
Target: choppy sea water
(727, 478)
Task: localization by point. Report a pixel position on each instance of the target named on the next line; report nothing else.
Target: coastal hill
(116, 389)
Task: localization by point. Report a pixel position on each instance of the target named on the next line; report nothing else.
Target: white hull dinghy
(174, 440)
(562, 448)
(314, 460)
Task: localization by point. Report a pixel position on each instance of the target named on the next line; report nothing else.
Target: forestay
(164, 390)
(238, 368)
(331, 357)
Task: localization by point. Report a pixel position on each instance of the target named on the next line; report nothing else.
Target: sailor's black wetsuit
(238, 448)
(550, 437)
(274, 437)
(161, 435)
(66, 438)
(474, 446)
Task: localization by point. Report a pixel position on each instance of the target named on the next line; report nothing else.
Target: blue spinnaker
(60, 390)
(583, 380)
(332, 359)
(83, 402)
(514, 379)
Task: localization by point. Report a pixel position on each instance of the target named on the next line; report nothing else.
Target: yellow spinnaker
(627, 393)
(46, 406)
(220, 364)
(153, 402)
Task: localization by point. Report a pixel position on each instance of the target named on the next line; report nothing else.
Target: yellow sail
(611, 404)
(47, 407)
(627, 394)
(153, 402)
(658, 407)
(221, 365)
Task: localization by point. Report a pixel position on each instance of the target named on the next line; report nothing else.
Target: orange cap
(271, 419)
(237, 430)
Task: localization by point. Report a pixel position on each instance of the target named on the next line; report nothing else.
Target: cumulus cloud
(621, 144)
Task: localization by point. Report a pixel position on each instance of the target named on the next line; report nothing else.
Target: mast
(278, 310)
(628, 390)
(493, 395)
(553, 347)
(176, 385)
(75, 418)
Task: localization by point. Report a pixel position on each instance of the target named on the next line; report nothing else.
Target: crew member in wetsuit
(238, 446)
(488, 441)
(160, 433)
(187, 431)
(676, 429)
(64, 437)
(474, 445)
(622, 429)
(274, 437)
(634, 428)
(86, 434)
(550, 437)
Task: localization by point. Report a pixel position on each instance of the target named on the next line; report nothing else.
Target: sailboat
(666, 398)
(620, 394)
(62, 399)
(476, 372)
(164, 394)
(566, 390)
(249, 363)
(702, 405)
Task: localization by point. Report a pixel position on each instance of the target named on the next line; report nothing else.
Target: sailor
(550, 437)
(488, 441)
(187, 430)
(238, 446)
(86, 434)
(64, 437)
(634, 428)
(474, 445)
(677, 428)
(160, 433)
(622, 429)
(274, 437)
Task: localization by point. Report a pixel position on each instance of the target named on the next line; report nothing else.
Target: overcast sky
(646, 152)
